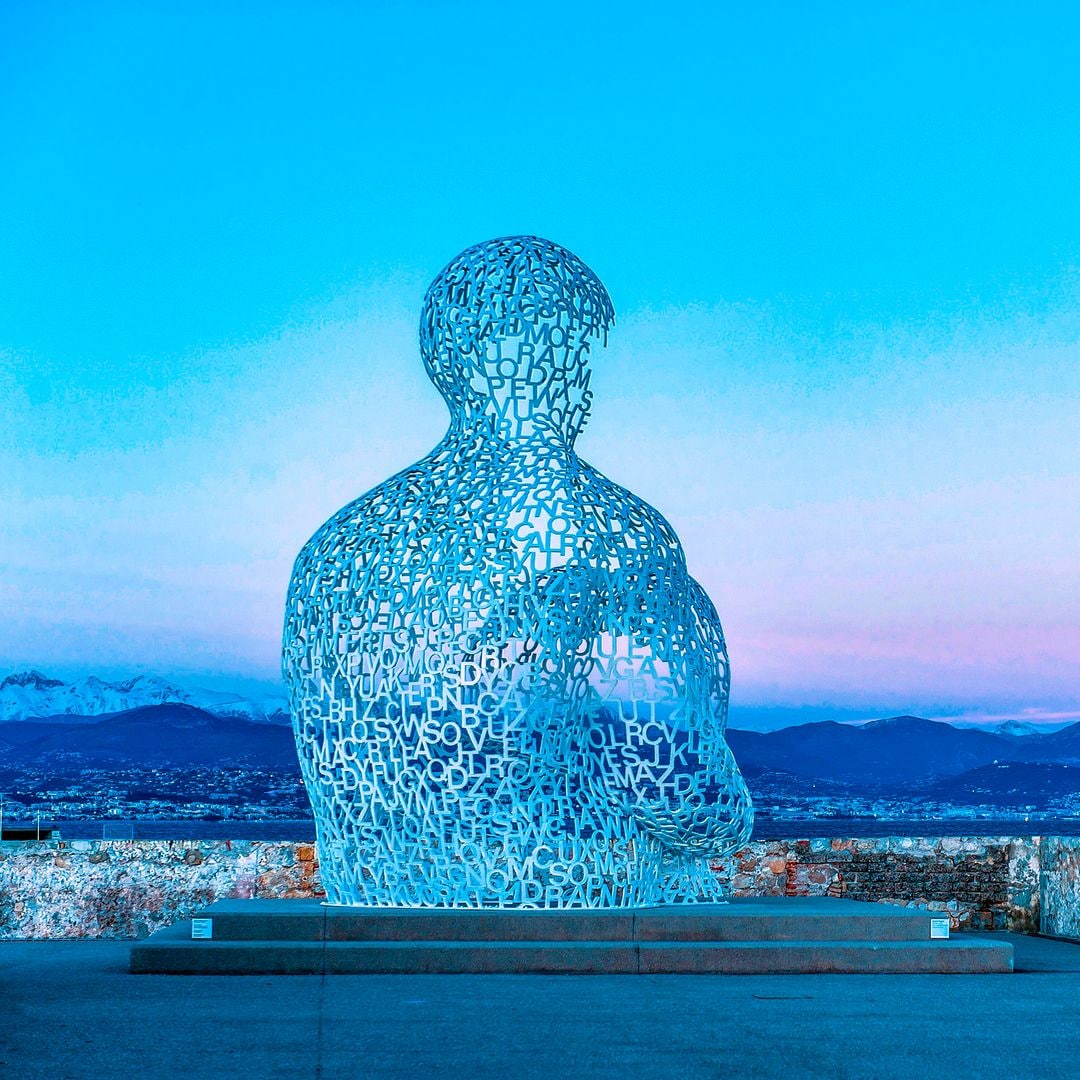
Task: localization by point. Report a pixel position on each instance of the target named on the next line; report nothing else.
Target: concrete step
(751, 919)
(266, 920)
(778, 935)
(953, 957)
(784, 919)
(173, 952)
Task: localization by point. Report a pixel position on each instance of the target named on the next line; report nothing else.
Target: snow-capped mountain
(30, 694)
(270, 710)
(1020, 728)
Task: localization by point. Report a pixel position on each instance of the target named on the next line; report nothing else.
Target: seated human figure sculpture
(506, 688)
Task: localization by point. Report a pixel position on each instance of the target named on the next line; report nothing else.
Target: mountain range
(29, 695)
(899, 754)
(895, 751)
(167, 736)
(49, 726)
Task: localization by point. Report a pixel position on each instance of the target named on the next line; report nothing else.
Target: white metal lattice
(506, 688)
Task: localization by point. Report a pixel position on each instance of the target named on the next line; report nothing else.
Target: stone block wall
(1060, 886)
(980, 883)
(129, 888)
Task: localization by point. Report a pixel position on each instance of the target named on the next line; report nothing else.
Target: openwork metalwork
(506, 688)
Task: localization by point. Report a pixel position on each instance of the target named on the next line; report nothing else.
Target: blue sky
(843, 244)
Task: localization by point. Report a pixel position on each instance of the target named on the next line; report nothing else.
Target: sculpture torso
(506, 688)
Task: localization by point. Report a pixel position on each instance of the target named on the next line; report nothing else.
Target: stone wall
(1060, 886)
(980, 883)
(129, 888)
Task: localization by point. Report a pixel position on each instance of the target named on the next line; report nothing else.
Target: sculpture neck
(481, 432)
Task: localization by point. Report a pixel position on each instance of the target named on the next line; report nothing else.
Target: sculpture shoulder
(705, 619)
(369, 520)
(619, 512)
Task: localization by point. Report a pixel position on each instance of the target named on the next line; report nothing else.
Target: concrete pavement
(70, 1009)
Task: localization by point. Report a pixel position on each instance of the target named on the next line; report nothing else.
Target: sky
(843, 243)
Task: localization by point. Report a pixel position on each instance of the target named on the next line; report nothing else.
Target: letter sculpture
(506, 688)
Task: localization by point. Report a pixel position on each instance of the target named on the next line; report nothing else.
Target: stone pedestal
(782, 935)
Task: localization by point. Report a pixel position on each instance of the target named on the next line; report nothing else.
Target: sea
(764, 829)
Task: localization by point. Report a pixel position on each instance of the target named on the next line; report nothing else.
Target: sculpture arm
(660, 693)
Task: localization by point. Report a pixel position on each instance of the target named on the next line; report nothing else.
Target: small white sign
(204, 928)
(939, 928)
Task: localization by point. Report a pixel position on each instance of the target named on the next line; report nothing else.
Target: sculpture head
(506, 331)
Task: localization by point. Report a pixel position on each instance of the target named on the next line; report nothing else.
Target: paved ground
(69, 1009)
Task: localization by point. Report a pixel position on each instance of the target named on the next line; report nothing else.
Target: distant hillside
(759, 778)
(896, 751)
(900, 754)
(156, 736)
(1009, 783)
(1063, 745)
